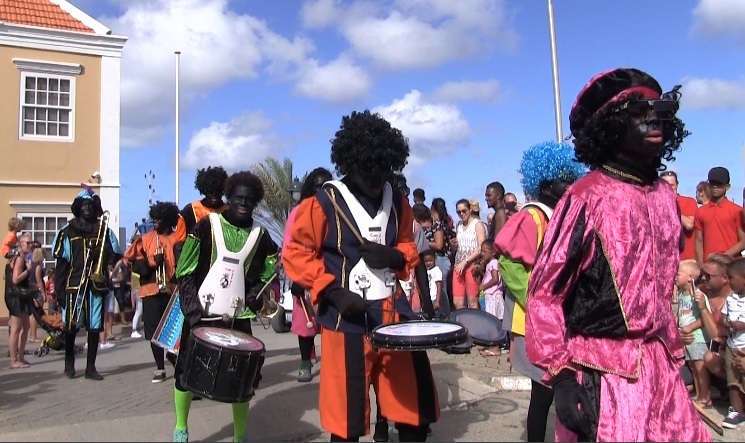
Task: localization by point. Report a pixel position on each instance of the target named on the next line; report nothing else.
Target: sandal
(705, 404)
(490, 353)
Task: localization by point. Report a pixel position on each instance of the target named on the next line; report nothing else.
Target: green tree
(272, 212)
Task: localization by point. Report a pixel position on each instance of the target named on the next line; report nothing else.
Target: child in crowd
(689, 321)
(492, 289)
(733, 319)
(434, 276)
(9, 249)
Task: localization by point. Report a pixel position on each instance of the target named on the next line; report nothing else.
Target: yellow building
(60, 100)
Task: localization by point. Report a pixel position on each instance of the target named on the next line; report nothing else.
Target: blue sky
(469, 82)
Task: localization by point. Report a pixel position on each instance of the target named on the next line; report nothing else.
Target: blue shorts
(91, 313)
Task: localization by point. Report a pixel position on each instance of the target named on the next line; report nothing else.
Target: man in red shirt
(719, 223)
(688, 207)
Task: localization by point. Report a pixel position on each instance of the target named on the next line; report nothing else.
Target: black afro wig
(165, 212)
(368, 145)
(308, 188)
(210, 181)
(599, 128)
(77, 205)
(248, 179)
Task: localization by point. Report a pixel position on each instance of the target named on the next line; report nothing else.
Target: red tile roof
(42, 13)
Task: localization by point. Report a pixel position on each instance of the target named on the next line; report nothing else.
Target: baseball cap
(719, 174)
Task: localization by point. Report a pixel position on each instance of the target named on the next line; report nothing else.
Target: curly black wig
(309, 188)
(77, 204)
(210, 181)
(165, 212)
(248, 179)
(397, 181)
(599, 128)
(367, 144)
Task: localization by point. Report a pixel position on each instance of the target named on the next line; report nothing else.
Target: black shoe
(70, 370)
(92, 374)
(429, 431)
(381, 431)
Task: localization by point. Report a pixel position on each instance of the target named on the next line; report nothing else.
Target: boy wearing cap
(598, 312)
(719, 223)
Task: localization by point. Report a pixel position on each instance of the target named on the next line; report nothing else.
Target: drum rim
(418, 342)
(195, 329)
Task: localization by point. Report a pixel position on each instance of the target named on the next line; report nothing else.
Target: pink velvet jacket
(602, 284)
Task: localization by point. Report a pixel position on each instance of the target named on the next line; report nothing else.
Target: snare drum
(418, 335)
(222, 364)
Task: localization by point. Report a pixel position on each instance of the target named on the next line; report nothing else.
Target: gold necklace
(622, 174)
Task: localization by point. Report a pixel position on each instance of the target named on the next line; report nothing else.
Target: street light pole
(555, 70)
(178, 65)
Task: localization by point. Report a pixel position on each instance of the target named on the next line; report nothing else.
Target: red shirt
(688, 207)
(719, 225)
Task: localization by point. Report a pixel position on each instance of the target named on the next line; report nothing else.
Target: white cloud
(719, 17)
(234, 145)
(412, 34)
(320, 13)
(217, 46)
(467, 91)
(713, 93)
(339, 81)
(432, 128)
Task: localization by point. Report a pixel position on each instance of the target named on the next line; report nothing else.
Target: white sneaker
(136, 334)
(106, 345)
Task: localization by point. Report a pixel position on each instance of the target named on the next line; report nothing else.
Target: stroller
(51, 322)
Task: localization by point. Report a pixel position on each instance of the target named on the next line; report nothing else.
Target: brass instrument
(160, 271)
(94, 276)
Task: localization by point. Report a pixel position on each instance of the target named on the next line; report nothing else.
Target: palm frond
(272, 212)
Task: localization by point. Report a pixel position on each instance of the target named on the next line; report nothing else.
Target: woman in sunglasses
(470, 233)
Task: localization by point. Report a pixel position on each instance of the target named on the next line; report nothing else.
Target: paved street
(39, 404)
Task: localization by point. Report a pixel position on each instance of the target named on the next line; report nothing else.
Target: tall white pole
(555, 69)
(178, 63)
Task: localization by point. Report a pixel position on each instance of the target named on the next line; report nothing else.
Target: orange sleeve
(302, 259)
(405, 240)
(132, 253)
(180, 230)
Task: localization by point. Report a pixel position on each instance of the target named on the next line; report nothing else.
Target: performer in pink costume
(305, 335)
(599, 318)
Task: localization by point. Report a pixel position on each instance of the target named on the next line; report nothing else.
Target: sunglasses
(669, 174)
(665, 109)
(707, 276)
(462, 211)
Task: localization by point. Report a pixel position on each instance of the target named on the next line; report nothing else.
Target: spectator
(17, 275)
(494, 195)
(492, 288)
(687, 207)
(510, 204)
(10, 242)
(470, 234)
(36, 281)
(418, 195)
(719, 223)
(703, 193)
(689, 322)
(733, 318)
(440, 239)
(434, 276)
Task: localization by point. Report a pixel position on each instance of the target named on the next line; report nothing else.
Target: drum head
(228, 338)
(414, 335)
(484, 328)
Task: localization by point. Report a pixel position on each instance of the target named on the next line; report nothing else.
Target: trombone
(91, 274)
(160, 271)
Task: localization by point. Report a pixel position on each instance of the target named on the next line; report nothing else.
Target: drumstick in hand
(309, 323)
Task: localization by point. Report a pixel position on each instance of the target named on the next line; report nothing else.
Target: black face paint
(318, 183)
(644, 135)
(242, 203)
(370, 186)
(160, 227)
(552, 192)
(88, 211)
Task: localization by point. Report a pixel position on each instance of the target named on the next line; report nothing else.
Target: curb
(503, 382)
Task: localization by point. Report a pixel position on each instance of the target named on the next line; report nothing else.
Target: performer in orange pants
(348, 245)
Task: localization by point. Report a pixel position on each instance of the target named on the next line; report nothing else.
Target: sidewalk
(496, 372)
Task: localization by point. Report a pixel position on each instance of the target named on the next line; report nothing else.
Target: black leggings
(153, 308)
(306, 347)
(541, 398)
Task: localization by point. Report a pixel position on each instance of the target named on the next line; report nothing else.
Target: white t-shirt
(734, 309)
(433, 275)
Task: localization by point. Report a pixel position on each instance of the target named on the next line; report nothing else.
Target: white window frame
(45, 215)
(47, 70)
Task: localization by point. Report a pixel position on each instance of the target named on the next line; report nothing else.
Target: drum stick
(708, 419)
(344, 217)
(309, 323)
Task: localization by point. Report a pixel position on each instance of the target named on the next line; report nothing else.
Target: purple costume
(599, 304)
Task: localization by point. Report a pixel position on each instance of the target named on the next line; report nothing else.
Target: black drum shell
(483, 328)
(221, 374)
(418, 343)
